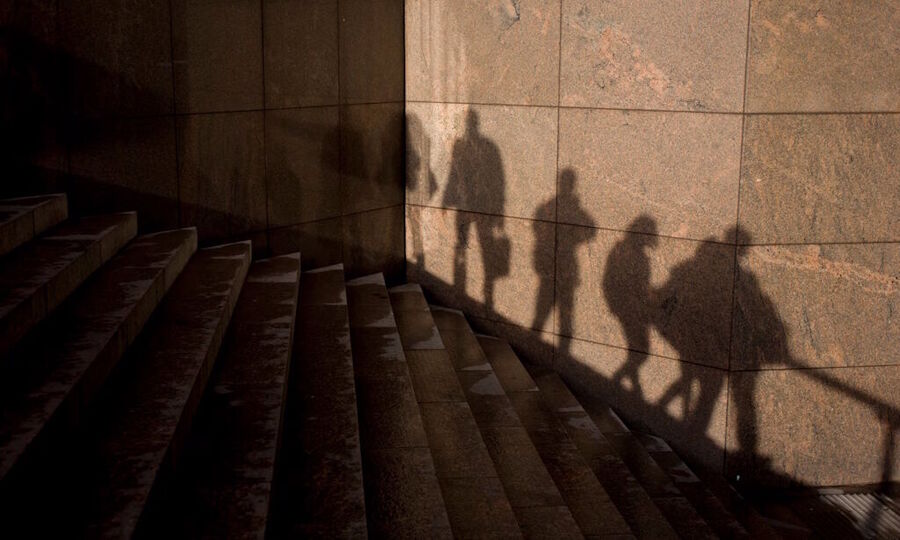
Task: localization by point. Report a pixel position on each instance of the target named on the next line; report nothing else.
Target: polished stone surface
(320, 242)
(40, 276)
(125, 164)
(680, 168)
(117, 56)
(668, 55)
(159, 394)
(821, 426)
(822, 178)
(300, 40)
(471, 269)
(492, 159)
(217, 49)
(371, 156)
(107, 318)
(472, 51)
(224, 483)
(371, 50)
(666, 385)
(222, 179)
(23, 218)
(672, 299)
(302, 165)
(829, 305)
(836, 56)
(373, 242)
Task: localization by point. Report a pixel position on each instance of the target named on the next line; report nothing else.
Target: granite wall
(690, 209)
(275, 120)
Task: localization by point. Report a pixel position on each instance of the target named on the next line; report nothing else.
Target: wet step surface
(680, 513)
(23, 218)
(224, 481)
(39, 276)
(591, 506)
(478, 501)
(707, 505)
(101, 485)
(631, 500)
(319, 483)
(403, 496)
(59, 374)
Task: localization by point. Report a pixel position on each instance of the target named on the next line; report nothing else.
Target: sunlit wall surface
(689, 209)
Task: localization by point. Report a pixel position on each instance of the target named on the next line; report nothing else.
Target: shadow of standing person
(562, 293)
(626, 287)
(763, 335)
(682, 319)
(418, 176)
(476, 182)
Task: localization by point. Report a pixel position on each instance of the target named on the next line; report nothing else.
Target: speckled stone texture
(821, 178)
(101, 322)
(139, 436)
(472, 51)
(36, 279)
(23, 218)
(678, 230)
(217, 114)
(654, 55)
(496, 160)
(824, 57)
(838, 421)
(680, 168)
(222, 166)
(224, 483)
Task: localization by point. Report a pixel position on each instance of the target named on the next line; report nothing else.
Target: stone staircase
(151, 389)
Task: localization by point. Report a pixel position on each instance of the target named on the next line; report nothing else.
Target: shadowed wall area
(277, 121)
(690, 210)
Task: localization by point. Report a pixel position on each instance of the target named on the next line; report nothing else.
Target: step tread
(43, 273)
(708, 505)
(224, 486)
(22, 218)
(62, 372)
(680, 513)
(463, 452)
(403, 495)
(319, 487)
(590, 504)
(147, 413)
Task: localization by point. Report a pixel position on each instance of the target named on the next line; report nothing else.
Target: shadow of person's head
(646, 225)
(741, 238)
(567, 181)
(472, 123)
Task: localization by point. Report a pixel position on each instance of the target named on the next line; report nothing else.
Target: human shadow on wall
(560, 293)
(679, 310)
(476, 181)
(418, 172)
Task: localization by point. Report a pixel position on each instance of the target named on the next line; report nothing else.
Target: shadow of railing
(537, 347)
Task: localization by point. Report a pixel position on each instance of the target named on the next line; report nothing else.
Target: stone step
(621, 462)
(403, 495)
(680, 513)
(319, 484)
(23, 218)
(509, 490)
(61, 372)
(39, 276)
(100, 486)
(224, 482)
(723, 522)
(592, 507)
(736, 504)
